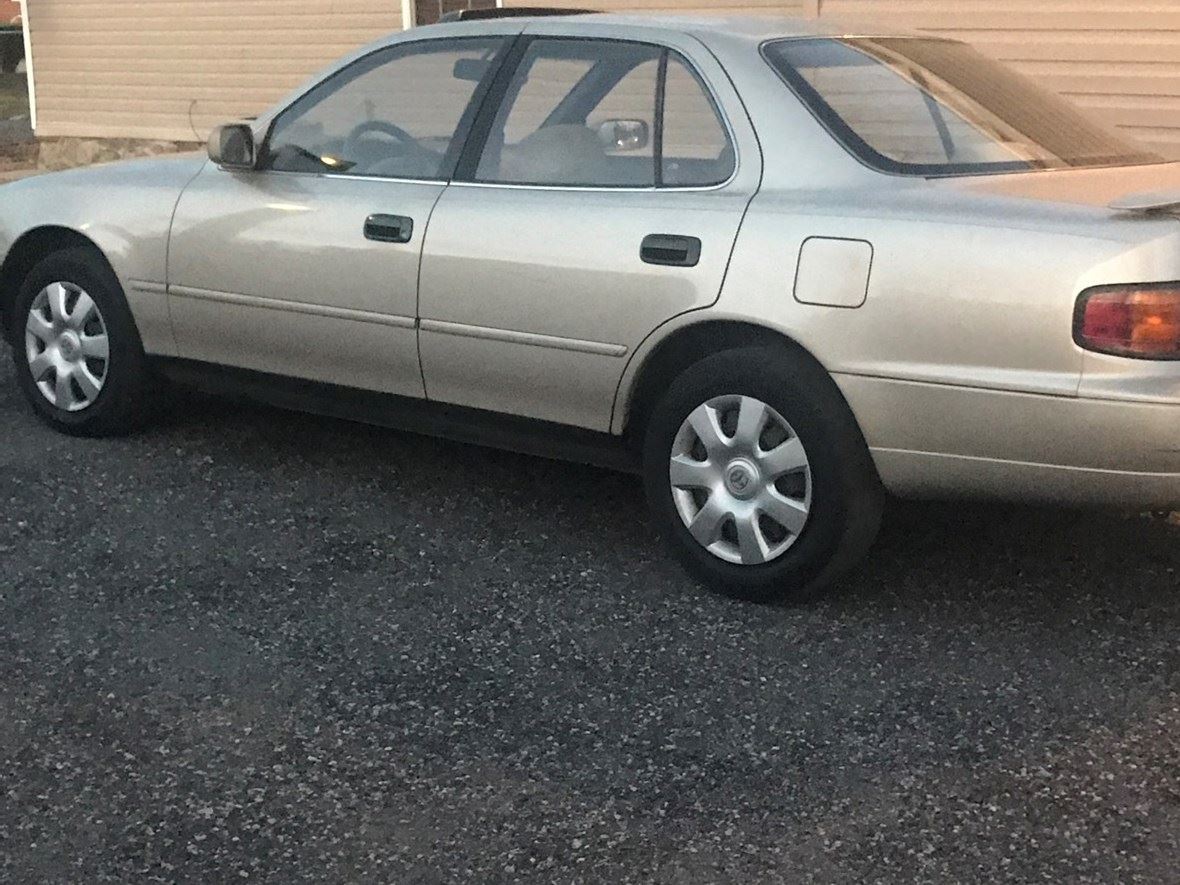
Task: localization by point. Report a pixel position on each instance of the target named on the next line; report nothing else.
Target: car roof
(752, 28)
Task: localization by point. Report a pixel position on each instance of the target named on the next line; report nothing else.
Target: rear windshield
(935, 107)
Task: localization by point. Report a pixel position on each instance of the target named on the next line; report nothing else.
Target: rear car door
(600, 195)
(308, 265)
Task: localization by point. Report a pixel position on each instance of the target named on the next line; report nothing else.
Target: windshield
(935, 107)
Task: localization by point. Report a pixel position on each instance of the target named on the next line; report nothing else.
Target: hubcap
(67, 347)
(741, 480)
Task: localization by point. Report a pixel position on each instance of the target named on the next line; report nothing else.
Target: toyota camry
(775, 268)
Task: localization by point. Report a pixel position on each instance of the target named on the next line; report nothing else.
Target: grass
(14, 96)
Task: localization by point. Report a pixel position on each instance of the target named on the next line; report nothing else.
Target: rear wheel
(78, 356)
(758, 474)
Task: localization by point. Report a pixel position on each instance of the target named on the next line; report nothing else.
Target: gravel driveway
(255, 646)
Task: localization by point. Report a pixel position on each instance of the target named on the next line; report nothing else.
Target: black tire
(847, 497)
(121, 406)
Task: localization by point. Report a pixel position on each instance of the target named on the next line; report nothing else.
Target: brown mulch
(17, 157)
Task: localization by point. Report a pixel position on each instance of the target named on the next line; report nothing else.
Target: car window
(696, 148)
(549, 80)
(936, 107)
(633, 98)
(586, 113)
(543, 132)
(394, 114)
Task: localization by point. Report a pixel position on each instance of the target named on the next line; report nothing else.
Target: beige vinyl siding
(173, 69)
(1118, 59)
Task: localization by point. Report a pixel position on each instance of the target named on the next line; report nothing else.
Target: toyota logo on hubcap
(739, 479)
(69, 346)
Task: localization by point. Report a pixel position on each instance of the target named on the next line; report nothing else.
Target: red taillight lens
(1134, 321)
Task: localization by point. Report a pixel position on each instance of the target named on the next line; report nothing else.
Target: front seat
(562, 154)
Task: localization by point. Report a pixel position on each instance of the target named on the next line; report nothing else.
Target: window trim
(397, 50)
(481, 131)
(864, 153)
(661, 110)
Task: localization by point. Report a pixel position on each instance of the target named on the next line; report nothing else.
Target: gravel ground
(255, 646)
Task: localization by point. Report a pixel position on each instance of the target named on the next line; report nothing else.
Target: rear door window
(608, 114)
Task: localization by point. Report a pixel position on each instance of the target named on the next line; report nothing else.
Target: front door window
(396, 114)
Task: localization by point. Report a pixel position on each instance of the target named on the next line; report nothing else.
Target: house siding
(172, 69)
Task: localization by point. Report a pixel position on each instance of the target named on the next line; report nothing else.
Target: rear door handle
(389, 228)
(671, 250)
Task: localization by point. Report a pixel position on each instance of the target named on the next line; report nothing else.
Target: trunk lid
(1136, 189)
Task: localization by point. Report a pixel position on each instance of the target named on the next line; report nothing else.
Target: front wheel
(759, 476)
(78, 356)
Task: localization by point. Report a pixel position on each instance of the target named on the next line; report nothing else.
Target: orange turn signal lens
(1142, 322)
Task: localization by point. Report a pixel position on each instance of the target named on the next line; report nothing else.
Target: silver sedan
(775, 269)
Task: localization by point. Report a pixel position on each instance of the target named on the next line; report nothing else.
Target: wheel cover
(67, 346)
(741, 480)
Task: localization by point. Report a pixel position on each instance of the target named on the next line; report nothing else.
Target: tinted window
(935, 107)
(394, 114)
(540, 86)
(696, 149)
(633, 99)
(586, 113)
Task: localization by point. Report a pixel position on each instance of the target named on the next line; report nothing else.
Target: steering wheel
(352, 142)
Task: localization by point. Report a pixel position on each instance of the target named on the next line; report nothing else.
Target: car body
(943, 304)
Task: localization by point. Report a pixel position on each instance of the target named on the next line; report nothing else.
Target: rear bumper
(932, 440)
(926, 475)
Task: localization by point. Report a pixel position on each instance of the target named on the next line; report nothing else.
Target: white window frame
(30, 80)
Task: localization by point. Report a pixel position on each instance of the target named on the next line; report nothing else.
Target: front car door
(308, 265)
(600, 196)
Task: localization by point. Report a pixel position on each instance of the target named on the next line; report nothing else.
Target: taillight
(1135, 321)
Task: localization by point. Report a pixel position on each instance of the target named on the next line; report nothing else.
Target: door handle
(389, 228)
(670, 250)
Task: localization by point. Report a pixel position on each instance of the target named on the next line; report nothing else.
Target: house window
(427, 12)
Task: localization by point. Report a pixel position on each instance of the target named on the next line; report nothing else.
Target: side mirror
(624, 135)
(232, 146)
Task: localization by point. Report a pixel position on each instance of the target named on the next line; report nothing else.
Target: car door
(307, 266)
(600, 196)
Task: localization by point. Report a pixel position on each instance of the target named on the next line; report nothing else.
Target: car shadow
(981, 555)
(994, 556)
